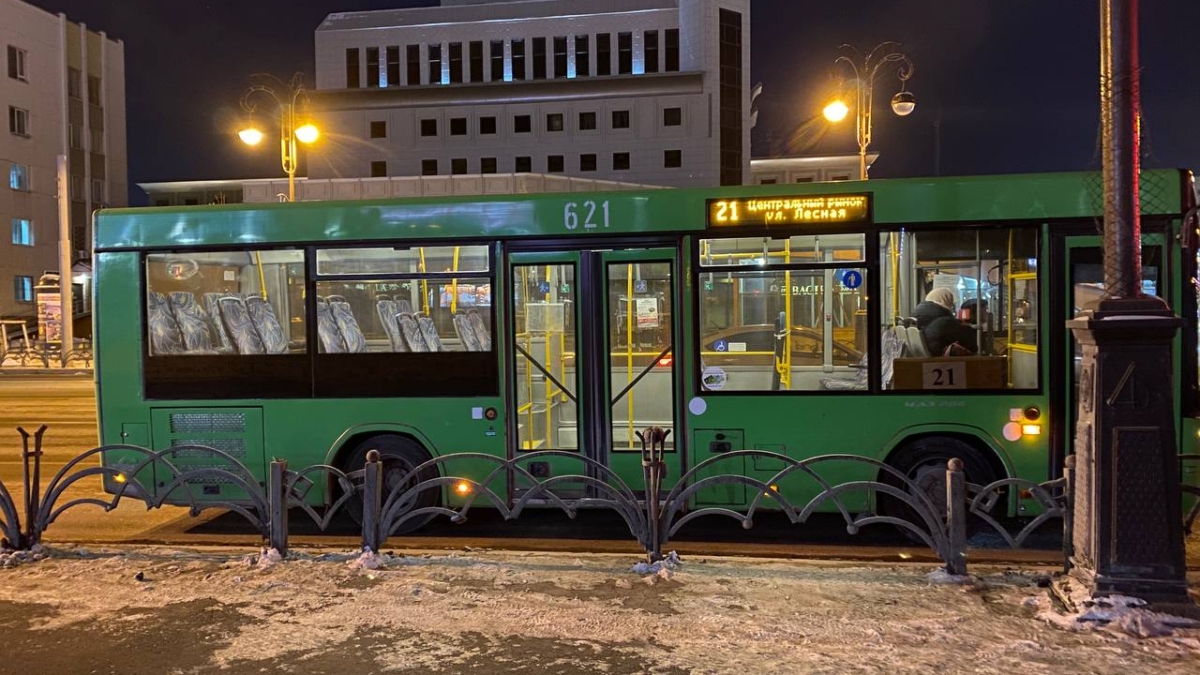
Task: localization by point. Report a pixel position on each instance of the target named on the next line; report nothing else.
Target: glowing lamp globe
(836, 111)
(307, 133)
(250, 136)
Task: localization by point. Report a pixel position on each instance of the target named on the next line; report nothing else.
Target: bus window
(960, 309)
(751, 288)
(235, 303)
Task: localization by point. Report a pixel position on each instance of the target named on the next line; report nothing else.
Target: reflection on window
(762, 251)
(335, 262)
(960, 309)
(237, 303)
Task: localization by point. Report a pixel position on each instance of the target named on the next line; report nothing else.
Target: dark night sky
(1014, 82)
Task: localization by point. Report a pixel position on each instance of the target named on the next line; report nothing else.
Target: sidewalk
(479, 611)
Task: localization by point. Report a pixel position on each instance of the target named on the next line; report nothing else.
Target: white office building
(63, 93)
(636, 91)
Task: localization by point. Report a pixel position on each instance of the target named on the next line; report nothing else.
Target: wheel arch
(353, 435)
(977, 438)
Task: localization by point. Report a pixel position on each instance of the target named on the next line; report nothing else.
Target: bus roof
(959, 199)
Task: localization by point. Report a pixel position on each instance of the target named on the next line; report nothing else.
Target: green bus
(777, 317)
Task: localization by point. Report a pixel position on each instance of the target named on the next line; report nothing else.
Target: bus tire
(924, 462)
(399, 456)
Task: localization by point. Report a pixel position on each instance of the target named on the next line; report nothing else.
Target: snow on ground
(511, 612)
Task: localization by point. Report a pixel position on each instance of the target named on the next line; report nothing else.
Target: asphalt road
(65, 403)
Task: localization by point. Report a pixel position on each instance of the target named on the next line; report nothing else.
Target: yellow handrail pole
(629, 319)
(547, 394)
(895, 255)
(785, 374)
(424, 282)
(454, 285)
(262, 279)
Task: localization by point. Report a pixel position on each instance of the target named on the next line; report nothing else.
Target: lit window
(22, 232)
(18, 177)
(24, 288)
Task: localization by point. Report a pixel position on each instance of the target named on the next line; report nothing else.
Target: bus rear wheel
(399, 455)
(923, 462)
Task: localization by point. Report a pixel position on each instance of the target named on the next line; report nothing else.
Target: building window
(75, 132)
(24, 288)
(582, 62)
(458, 126)
(435, 63)
(476, 61)
(93, 90)
(620, 161)
(379, 169)
(672, 117)
(671, 51)
(18, 121)
(497, 54)
(768, 181)
(539, 58)
(672, 159)
(16, 64)
(620, 119)
(352, 69)
(22, 232)
(18, 176)
(730, 95)
(74, 83)
(162, 202)
(518, 59)
(373, 68)
(97, 190)
(429, 127)
(523, 165)
(522, 124)
(487, 165)
(456, 65)
(554, 122)
(842, 176)
(378, 129)
(587, 121)
(587, 162)
(604, 54)
(77, 187)
(624, 53)
(393, 67)
(97, 136)
(555, 164)
(650, 42)
(560, 56)
(487, 126)
(458, 166)
(429, 167)
(413, 54)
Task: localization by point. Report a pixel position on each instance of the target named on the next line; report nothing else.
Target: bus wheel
(399, 456)
(924, 463)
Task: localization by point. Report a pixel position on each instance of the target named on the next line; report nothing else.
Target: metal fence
(48, 356)
(653, 514)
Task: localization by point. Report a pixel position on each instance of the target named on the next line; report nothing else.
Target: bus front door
(592, 341)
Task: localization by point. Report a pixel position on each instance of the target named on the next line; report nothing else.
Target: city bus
(780, 318)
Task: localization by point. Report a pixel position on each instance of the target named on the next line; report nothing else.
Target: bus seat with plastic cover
(165, 337)
(410, 328)
(403, 306)
(466, 334)
(916, 342)
(391, 323)
(430, 334)
(891, 348)
(240, 326)
(194, 326)
(328, 332)
(343, 315)
(481, 330)
(262, 315)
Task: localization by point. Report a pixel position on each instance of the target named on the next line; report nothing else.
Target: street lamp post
(292, 126)
(866, 68)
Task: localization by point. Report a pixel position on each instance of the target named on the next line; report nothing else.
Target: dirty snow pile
(10, 558)
(1119, 615)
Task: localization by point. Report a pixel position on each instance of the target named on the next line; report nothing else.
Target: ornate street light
(292, 126)
(866, 68)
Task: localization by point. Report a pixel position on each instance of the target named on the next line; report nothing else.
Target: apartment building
(642, 91)
(63, 93)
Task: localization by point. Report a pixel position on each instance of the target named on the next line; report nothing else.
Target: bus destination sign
(808, 209)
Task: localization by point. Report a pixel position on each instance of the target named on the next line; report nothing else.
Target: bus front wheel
(399, 456)
(923, 462)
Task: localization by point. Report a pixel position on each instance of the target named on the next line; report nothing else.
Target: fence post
(652, 473)
(956, 518)
(1068, 512)
(33, 486)
(277, 501)
(372, 535)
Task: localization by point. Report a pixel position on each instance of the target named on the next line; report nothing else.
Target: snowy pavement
(133, 611)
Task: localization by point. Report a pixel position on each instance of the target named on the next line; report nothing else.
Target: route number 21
(944, 375)
(576, 214)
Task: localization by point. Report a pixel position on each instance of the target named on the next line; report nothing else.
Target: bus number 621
(574, 213)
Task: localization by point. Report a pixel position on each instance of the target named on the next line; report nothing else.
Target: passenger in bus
(938, 325)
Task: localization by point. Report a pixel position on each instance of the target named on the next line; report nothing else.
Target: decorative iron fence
(46, 356)
(653, 515)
